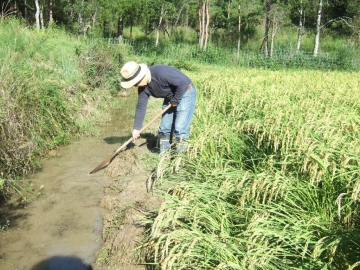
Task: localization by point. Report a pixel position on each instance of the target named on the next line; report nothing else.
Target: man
(162, 81)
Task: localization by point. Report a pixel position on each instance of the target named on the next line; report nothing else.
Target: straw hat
(132, 73)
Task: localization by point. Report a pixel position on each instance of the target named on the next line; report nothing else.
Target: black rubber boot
(164, 143)
(180, 145)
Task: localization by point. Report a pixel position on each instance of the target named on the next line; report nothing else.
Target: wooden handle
(109, 159)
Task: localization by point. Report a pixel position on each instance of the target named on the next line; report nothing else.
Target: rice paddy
(271, 177)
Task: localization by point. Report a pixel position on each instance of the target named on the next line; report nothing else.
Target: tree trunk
(50, 11)
(199, 21)
(120, 29)
(267, 27)
(229, 9)
(158, 28)
(273, 33)
(80, 24)
(37, 14)
(104, 29)
(15, 9)
(166, 31)
(178, 17)
(239, 30)
(131, 27)
(41, 16)
(318, 28)
(25, 10)
(201, 24)
(301, 11)
(207, 11)
(93, 19)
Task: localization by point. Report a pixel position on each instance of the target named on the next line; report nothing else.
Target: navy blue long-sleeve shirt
(166, 82)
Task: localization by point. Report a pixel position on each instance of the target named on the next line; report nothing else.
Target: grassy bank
(271, 180)
(52, 87)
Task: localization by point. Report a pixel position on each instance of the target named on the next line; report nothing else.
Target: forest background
(248, 32)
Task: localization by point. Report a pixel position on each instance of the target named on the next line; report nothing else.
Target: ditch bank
(128, 200)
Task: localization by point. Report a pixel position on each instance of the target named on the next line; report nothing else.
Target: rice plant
(270, 180)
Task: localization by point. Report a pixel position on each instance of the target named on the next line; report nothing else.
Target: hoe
(110, 158)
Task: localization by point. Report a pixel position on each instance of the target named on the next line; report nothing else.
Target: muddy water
(61, 229)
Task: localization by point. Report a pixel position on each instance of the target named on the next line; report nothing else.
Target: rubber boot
(164, 143)
(180, 146)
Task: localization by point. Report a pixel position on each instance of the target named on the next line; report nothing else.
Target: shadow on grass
(62, 263)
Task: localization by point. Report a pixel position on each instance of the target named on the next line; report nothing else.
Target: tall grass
(52, 87)
(271, 178)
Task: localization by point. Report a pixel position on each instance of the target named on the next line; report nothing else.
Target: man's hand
(173, 105)
(135, 134)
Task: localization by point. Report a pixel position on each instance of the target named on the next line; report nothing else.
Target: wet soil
(129, 199)
(81, 220)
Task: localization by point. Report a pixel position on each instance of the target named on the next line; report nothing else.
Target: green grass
(53, 87)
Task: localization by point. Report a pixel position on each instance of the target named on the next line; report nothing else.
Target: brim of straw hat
(128, 84)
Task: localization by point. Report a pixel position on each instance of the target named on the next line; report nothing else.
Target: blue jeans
(179, 118)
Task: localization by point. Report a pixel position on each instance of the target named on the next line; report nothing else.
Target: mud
(129, 199)
(77, 216)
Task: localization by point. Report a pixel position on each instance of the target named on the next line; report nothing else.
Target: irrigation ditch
(80, 220)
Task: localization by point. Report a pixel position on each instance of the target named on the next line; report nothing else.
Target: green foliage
(53, 87)
(171, 49)
(183, 35)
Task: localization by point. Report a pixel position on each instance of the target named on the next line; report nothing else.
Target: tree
(84, 14)
(7, 9)
(204, 22)
(239, 30)
(297, 8)
(179, 14)
(167, 12)
(181, 7)
(249, 16)
(277, 15)
(318, 27)
(162, 14)
(38, 15)
(115, 15)
(51, 3)
(265, 43)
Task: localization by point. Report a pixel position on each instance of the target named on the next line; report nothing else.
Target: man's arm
(141, 106)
